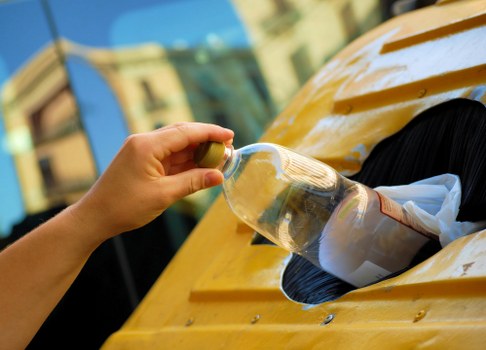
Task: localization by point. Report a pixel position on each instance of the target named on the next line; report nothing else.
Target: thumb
(188, 182)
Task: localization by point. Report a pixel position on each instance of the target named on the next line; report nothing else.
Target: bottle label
(367, 273)
(395, 211)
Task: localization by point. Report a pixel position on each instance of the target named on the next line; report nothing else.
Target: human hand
(150, 172)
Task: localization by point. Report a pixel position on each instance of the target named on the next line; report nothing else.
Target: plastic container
(306, 207)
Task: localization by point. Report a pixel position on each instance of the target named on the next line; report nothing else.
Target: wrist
(86, 224)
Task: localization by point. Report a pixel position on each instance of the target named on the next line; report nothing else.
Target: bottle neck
(231, 159)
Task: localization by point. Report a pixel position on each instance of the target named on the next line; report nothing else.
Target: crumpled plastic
(434, 204)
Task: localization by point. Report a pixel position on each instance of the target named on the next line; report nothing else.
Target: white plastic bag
(434, 202)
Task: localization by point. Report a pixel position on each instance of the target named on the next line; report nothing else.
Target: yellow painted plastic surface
(221, 292)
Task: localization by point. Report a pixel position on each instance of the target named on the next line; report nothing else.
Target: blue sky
(10, 200)
(105, 23)
(129, 22)
(24, 30)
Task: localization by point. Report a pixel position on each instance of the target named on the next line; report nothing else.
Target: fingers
(177, 137)
(179, 162)
(178, 186)
(182, 157)
(179, 168)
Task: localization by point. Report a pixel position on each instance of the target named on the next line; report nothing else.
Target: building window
(47, 173)
(152, 102)
(284, 18)
(282, 6)
(301, 64)
(36, 124)
(349, 20)
(148, 92)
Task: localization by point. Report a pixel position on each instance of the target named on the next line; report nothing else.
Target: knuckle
(137, 143)
(180, 125)
(182, 128)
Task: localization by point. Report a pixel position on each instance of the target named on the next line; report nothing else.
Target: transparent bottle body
(306, 207)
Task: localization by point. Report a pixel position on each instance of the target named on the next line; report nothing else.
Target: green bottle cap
(209, 154)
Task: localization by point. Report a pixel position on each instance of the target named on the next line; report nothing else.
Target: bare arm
(150, 173)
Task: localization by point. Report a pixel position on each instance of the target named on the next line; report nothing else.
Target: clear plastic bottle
(308, 208)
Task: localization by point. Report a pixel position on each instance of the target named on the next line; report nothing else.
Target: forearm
(36, 271)
(150, 172)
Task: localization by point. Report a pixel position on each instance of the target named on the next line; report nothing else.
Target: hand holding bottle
(150, 172)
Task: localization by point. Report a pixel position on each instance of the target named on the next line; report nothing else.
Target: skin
(150, 172)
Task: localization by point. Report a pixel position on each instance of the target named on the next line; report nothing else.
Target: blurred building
(49, 148)
(143, 80)
(293, 38)
(157, 87)
(154, 87)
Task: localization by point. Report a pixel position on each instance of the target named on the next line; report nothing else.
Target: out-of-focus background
(78, 76)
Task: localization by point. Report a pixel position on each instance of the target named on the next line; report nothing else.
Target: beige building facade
(292, 39)
(44, 134)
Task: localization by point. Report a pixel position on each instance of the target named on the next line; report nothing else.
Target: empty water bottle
(308, 208)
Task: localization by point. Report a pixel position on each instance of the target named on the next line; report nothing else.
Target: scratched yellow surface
(221, 292)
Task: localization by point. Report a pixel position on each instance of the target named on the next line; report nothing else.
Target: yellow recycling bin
(222, 292)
